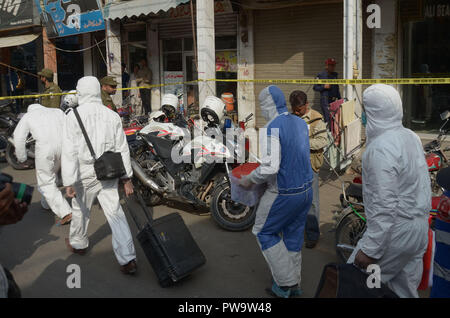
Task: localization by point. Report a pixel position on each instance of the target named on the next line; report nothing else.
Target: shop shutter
(225, 24)
(294, 43)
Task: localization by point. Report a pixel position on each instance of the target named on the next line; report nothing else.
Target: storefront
(178, 54)
(75, 30)
(20, 48)
(169, 49)
(426, 53)
(294, 42)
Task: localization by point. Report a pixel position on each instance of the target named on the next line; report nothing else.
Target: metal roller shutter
(293, 43)
(225, 24)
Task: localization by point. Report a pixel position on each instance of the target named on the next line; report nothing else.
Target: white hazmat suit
(397, 193)
(46, 126)
(104, 128)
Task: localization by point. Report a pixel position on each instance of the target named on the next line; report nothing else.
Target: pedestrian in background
(328, 93)
(318, 139)
(46, 76)
(135, 100)
(144, 77)
(109, 87)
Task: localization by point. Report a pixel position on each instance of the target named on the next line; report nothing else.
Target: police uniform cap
(47, 73)
(108, 80)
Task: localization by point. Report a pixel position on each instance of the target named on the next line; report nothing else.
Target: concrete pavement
(35, 252)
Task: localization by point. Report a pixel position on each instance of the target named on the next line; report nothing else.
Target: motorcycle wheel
(230, 215)
(349, 231)
(11, 158)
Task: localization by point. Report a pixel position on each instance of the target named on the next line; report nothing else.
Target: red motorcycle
(435, 156)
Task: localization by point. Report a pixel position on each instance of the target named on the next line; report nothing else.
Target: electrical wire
(78, 51)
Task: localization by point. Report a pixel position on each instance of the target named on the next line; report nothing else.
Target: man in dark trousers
(328, 93)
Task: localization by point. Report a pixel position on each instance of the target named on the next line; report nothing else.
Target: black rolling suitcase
(168, 245)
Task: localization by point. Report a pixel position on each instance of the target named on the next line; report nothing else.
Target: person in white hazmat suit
(397, 195)
(104, 128)
(46, 126)
(281, 213)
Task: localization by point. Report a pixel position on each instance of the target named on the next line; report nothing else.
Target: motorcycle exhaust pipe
(11, 141)
(140, 174)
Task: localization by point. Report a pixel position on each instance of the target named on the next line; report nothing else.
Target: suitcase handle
(148, 213)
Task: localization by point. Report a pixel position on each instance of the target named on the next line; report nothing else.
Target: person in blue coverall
(328, 93)
(282, 210)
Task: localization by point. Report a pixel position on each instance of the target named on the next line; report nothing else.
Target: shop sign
(16, 13)
(171, 78)
(437, 9)
(184, 10)
(70, 17)
(226, 61)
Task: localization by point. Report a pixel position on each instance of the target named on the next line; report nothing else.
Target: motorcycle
(201, 180)
(435, 156)
(8, 123)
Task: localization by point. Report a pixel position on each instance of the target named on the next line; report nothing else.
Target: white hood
(34, 107)
(384, 110)
(88, 91)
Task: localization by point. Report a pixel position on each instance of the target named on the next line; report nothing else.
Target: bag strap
(86, 137)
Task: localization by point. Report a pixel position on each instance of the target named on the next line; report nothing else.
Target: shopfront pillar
(113, 56)
(153, 58)
(206, 49)
(50, 61)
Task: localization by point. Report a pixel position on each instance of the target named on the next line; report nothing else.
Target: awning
(138, 7)
(15, 40)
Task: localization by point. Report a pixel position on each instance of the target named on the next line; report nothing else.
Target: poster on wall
(70, 17)
(226, 61)
(171, 78)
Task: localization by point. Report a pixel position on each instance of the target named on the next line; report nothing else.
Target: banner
(174, 82)
(70, 17)
(226, 61)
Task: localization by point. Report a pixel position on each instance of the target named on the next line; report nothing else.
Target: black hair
(298, 99)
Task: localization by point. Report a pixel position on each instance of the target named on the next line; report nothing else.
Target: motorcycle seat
(354, 190)
(162, 146)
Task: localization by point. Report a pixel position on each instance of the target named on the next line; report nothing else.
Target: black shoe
(310, 244)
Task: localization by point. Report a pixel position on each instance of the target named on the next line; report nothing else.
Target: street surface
(35, 252)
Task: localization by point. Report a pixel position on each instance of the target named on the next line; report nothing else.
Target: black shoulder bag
(109, 165)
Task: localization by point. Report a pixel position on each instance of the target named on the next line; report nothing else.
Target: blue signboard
(69, 17)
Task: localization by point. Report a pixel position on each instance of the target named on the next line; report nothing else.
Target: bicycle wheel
(349, 231)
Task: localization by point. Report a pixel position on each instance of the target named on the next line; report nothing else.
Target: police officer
(328, 93)
(46, 76)
(109, 87)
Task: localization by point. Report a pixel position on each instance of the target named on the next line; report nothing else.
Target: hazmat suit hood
(89, 91)
(383, 107)
(34, 107)
(272, 102)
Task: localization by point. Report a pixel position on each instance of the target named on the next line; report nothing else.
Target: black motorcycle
(161, 180)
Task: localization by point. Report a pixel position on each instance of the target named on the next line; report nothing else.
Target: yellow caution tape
(398, 81)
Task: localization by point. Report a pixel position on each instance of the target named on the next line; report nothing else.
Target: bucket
(247, 196)
(228, 99)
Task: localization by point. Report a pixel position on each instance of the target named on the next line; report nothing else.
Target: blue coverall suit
(327, 96)
(282, 210)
